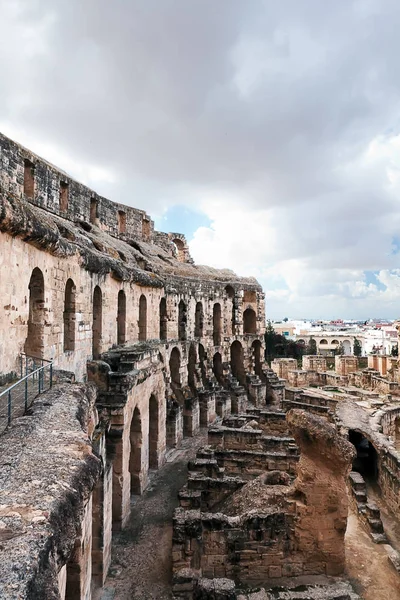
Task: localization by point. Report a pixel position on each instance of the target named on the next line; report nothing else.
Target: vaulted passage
(230, 292)
(121, 318)
(366, 461)
(174, 366)
(249, 321)
(182, 321)
(256, 348)
(198, 320)
(192, 368)
(217, 324)
(142, 318)
(34, 344)
(69, 316)
(135, 458)
(97, 327)
(163, 319)
(217, 367)
(153, 432)
(237, 364)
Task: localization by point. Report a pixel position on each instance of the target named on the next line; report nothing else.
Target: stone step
(376, 525)
(357, 481)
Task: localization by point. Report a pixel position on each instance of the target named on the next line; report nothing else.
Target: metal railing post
(51, 375)
(9, 407)
(26, 394)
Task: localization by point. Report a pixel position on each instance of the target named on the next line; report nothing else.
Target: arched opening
(249, 321)
(323, 342)
(203, 364)
(163, 319)
(256, 347)
(153, 433)
(97, 322)
(217, 367)
(121, 318)
(34, 344)
(180, 249)
(192, 367)
(175, 366)
(182, 321)
(237, 362)
(69, 316)
(347, 347)
(93, 210)
(230, 292)
(335, 343)
(198, 320)
(135, 457)
(142, 318)
(217, 324)
(366, 461)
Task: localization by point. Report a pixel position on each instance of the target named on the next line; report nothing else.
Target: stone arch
(180, 249)
(163, 319)
(198, 320)
(182, 321)
(347, 347)
(237, 362)
(323, 342)
(366, 460)
(34, 344)
(142, 318)
(135, 457)
(153, 432)
(256, 348)
(203, 364)
(230, 292)
(97, 326)
(175, 366)
(217, 324)
(69, 316)
(192, 360)
(217, 367)
(249, 321)
(121, 318)
(335, 342)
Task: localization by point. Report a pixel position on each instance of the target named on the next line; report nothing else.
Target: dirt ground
(141, 565)
(368, 567)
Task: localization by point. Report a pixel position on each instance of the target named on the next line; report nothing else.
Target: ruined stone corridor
(142, 564)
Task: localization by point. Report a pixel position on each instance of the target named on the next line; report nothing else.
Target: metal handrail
(38, 375)
(27, 377)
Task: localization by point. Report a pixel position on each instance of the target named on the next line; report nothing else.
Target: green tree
(311, 347)
(339, 350)
(270, 334)
(357, 349)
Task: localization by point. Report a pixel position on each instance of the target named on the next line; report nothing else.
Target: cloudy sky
(268, 132)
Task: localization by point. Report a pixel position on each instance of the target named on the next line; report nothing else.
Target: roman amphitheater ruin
(136, 408)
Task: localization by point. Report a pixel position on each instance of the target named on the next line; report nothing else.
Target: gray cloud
(270, 105)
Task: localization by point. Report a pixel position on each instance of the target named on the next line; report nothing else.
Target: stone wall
(46, 497)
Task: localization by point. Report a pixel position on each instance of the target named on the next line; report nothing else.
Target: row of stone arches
(35, 342)
(237, 362)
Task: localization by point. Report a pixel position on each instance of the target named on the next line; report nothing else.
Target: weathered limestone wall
(282, 366)
(46, 490)
(265, 529)
(346, 364)
(314, 363)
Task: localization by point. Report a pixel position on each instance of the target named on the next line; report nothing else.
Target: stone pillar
(174, 425)
(191, 417)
